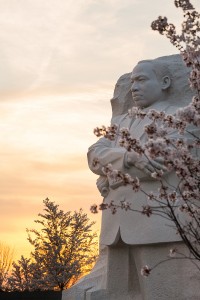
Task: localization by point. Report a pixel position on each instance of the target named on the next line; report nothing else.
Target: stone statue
(129, 240)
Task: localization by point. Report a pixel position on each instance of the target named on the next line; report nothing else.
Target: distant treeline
(44, 295)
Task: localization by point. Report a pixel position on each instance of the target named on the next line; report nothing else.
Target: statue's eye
(141, 79)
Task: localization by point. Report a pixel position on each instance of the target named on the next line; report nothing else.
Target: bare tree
(6, 259)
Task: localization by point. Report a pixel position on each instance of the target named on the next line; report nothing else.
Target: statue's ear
(166, 82)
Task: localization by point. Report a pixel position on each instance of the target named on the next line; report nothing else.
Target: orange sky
(59, 63)
(44, 143)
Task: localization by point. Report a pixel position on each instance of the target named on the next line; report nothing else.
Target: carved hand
(144, 164)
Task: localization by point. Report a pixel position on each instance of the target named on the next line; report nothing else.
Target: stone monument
(129, 240)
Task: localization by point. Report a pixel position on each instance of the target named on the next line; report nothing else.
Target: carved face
(146, 87)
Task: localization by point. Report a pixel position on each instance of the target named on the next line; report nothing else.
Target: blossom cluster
(136, 112)
(182, 154)
(112, 206)
(117, 176)
(108, 132)
(130, 143)
(185, 4)
(188, 39)
(191, 113)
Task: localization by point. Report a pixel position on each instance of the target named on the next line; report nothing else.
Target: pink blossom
(125, 205)
(136, 112)
(151, 196)
(93, 209)
(95, 162)
(155, 115)
(157, 174)
(173, 196)
(103, 206)
(172, 252)
(147, 210)
(145, 271)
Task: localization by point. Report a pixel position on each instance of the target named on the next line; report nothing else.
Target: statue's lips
(137, 96)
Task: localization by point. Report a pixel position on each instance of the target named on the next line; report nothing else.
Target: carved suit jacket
(132, 227)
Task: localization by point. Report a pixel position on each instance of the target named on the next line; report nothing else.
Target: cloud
(46, 44)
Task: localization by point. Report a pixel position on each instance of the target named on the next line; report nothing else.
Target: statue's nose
(134, 87)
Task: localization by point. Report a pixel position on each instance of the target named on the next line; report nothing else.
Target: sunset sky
(60, 60)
